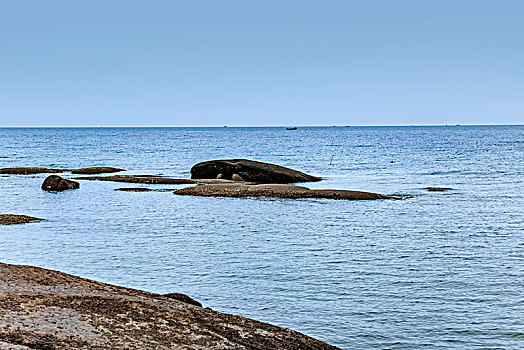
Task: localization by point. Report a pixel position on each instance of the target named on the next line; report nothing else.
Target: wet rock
(26, 171)
(438, 189)
(96, 170)
(149, 179)
(182, 297)
(144, 189)
(55, 183)
(134, 189)
(45, 309)
(275, 191)
(13, 219)
(250, 171)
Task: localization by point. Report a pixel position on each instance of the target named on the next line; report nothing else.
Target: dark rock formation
(250, 171)
(134, 189)
(183, 298)
(27, 171)
(96, 170)
(13, 219)
(55, 183)
(45, 309)
(438, 189)
(149, 179)
(144, 189)
(276, 191)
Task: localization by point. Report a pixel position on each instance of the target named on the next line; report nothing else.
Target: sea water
(438, 270)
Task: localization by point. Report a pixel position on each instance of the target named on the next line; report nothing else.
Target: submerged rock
(55, 183)
(45, 309)
(96, 170)
(249, 170)
(31, 170)
(275, 191)
(13, 219)
(134, 189)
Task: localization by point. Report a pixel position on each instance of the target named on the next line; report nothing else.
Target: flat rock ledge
(150, 179)
(275, 191)
(29, 171)
(96, 170)
(13, 219)
(144, 189)
(45, 309)
(36, 170)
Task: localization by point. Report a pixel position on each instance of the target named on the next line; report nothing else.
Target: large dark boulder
(248, 170)
(55, 183)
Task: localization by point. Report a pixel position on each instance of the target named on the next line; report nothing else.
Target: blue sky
(249, 62)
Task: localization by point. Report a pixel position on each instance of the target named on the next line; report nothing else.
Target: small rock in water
(438, 189)
(13, 219)
(96, 170)
(55, 183)
(134, 189)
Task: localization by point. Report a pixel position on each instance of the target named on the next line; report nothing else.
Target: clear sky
(261, 62)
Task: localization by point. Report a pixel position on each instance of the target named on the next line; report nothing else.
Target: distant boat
(291, 128)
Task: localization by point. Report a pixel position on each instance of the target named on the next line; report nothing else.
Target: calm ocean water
(439, 270)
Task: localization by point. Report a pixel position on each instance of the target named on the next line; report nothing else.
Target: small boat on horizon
(294, 128)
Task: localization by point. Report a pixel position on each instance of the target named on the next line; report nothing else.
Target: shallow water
(439, 270)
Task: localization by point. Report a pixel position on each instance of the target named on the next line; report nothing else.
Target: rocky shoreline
(46, 309)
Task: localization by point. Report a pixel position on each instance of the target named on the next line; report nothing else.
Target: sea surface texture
(438, 270)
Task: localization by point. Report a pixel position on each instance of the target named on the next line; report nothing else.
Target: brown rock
(96, 170)
(55, 183)
(27, 171)
(250, 171)
(13, 219)
(149, 179)
(276, 191)
(45, 309)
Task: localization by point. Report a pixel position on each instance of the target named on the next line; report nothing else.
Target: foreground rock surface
(13, 219)
(55, 183)
(45, 309)
(250, 171)
(96, 170)
(31, 170)
(275, 191)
